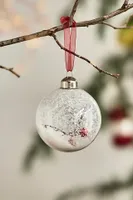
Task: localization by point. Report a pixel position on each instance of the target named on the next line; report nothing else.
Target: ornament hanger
(69, 41)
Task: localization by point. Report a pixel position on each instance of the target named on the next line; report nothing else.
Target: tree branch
(51, 32)
(83, 58)
(10, 70)
(125, 4)
(74, 9)
(56, 29)
(116, 27)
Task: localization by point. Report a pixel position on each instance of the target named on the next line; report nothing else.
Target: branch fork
(125, 4)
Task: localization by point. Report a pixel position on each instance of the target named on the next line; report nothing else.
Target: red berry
(83, 132)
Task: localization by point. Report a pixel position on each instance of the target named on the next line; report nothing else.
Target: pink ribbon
(69, 41)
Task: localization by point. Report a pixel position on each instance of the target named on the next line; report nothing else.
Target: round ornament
(69, 119)
(117, 114)
(123, 135)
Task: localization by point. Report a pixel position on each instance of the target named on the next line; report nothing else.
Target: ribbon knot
(69, 41)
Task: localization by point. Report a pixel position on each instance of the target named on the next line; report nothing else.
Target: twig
(83, 58)
(117, 27)
(125, 4)
(56, 29)
(10, 70)
(74, 9)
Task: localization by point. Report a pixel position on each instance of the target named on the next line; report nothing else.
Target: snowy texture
(68, 119)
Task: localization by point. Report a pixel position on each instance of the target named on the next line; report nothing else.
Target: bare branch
(74, 9)
(10, 70)
(105, 17)
(125, 4)
(117, 27)
(56, 29)
(83, 58)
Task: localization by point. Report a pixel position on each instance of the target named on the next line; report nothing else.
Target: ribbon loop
(69, 41)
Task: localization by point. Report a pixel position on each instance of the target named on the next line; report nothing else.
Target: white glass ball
(68, 119)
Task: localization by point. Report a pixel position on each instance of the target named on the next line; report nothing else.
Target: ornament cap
(69, 82)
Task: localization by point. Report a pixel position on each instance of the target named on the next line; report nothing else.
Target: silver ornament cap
(69, 82)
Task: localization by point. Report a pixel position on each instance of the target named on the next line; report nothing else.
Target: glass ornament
(69, 119)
